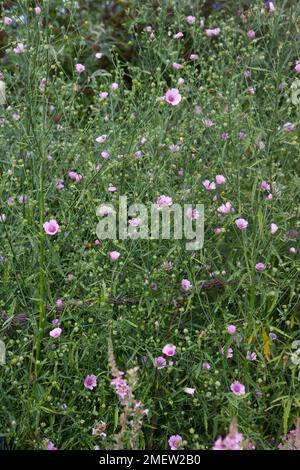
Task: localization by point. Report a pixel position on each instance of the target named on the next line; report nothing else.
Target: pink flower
(55, 322)
(75, 176)
(289, 126)
(114, 86)
(190, 19)
(169, 350)
(194, 57)
(50, 445)
(297, 68)
(260, 267)
(79, 68)
(251, 34)
(103, 95)
(173, 96)
(180, 81)
(237, 388)
(59, 303)
(101, 139)
(135, 222)
(232, 441)
(208, 185)
(265, 186)
(175, 442)
(160, 362)
(274, 228)
(111, 189)
(38, 11)
(163, 201)
(231, 329)
(242, 224)
(189, 391)
(225, 208)
(242, 135)
(98, 55)
(293, 250)
(114, 255)
(179, 35)
(206, 366)
(55, 333)
(90, 381)
(20, 49)
(224, 136)
(7, 21)
(251, 90)
(51, 227)
(120, 385)
(213, 32)
(177, 66)
(148, 29)
(105, 155)
(251, 356)
(220, 179)
(208, 123)
(192, 214)
(59, 184)
(185, 284)
(229, 353)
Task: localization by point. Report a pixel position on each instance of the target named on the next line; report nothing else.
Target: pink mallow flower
(231, 329)
(163, 201)
(90, 381)
(190, 19)
(79, 68)
(237, 388)
(210, 186)
(114, 86)
(233, 441)
(19, 49)
(101, 139)
(55, 333)
(75, 176)
(260, 267)
(185, 284)
(225, 208)
(103, 95)
(173, 96)
(160, 362)
(50, 445)
(220, 179)
(175, 442)
(169, 350)
(241, 224)
(274, 228)
(7, 21)
(189, 390)
(213, 32)
(51, 227)
(251, 34)
(114, 255)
